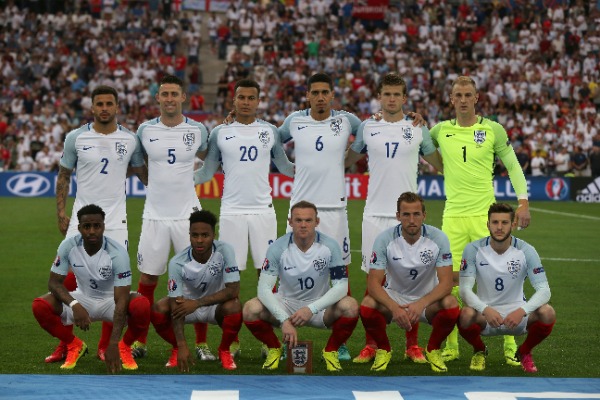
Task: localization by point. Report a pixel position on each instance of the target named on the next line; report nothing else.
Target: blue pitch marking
(170, 387)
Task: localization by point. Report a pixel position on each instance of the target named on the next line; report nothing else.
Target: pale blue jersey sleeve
(284, 129)
(268, 278)
(61, 262)
(137, 158)
(120, 263)
(280, 159)
(537, 277)
(175, 282)
(203, 134)
(444, 257)
(379, 251)
(231, 272)
(427, 145)
(353, 119)
(212, 160)
(358, 145)
(468, 273)
(69, 156)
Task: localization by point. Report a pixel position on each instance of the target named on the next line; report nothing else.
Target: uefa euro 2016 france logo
(557, 189)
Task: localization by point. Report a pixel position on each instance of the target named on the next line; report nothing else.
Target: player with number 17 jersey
(393, 149)
(171, 155)
(319, 147)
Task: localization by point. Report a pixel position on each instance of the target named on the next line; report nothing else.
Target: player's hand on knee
(301, 317)
(81, 317)
(513, 319)
(493, 317)
(401, 318)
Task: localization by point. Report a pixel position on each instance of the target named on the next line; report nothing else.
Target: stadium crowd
(536, 65)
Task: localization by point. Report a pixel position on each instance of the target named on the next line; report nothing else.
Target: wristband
(71, 304)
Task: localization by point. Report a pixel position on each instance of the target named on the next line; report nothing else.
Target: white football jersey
(500, 277)
(245, 151)
(411, 269)
(193, 280)
(96, 275)
(320, 147)
(171, 152)
(393, 149)
(100, 162)
(304, 275)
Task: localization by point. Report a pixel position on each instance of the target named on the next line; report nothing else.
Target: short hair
(247, 83)
(90, 209)
(320, 77)
(410, 197)
(502, 208)
(304, 204)
(392, 80)
(103, 89)
(172, 79)
(204, 216)
(464, 80)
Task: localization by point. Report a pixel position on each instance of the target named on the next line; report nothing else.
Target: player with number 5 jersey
(170, 143)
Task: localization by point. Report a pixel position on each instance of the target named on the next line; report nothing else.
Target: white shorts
(258, 229)
(292, 305)
(203, 314)
(119, 235)
(334, 223)
(99, 309)
(502, 330)
(155, 243)
(371, 227)
(401, 299)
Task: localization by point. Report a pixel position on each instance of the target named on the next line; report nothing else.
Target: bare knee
(467, 317)
(252, 309)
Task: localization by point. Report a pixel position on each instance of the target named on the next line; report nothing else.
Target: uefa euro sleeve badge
(299, 358)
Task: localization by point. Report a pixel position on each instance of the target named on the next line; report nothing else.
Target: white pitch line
(570, 259)
(565, 214)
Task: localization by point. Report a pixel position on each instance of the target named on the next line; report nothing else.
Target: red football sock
(70, 282)
(264, 332)
(201, 329)
(341, 330)
(146, 290)
(50, 322)
(138, 320)
(375, 324)
(442, 324)
(107, 328)
(412, 336)
(163, 326)
(472, 334)
(369, 340)
(231, 326)
(537, 332)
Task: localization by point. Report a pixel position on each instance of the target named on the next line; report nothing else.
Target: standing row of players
(320, 135)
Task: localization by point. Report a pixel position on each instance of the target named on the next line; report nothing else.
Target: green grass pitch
(563, 233)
